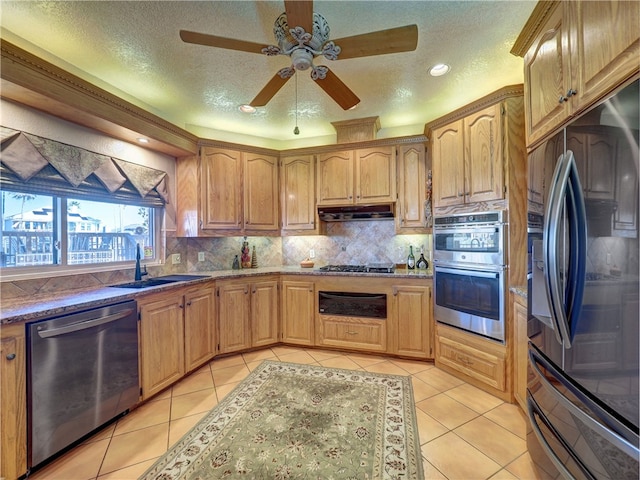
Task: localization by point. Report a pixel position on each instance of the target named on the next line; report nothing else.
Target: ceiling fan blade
(221, 42)
(337, 90)
(299, 14)
(269, 90)
(393, 40)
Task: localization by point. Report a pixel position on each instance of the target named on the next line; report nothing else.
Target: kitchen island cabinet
(298, 310)
(572, 59)
(13, 405)
(247, 313)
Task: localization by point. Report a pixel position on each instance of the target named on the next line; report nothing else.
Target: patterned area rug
(291, 421)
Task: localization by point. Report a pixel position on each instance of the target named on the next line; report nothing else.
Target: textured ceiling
(133, 50)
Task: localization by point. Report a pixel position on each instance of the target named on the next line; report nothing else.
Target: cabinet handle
(352, 333)
(181, 306)
(246, 290)
(11, 356)
(188, 303)
(570, 93)
(253, 291)
(395, 291)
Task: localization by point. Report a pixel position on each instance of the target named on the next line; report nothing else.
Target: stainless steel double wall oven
(470, 272)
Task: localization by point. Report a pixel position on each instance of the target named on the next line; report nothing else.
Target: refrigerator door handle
(533, 411)
(550, 248)
(535, 360)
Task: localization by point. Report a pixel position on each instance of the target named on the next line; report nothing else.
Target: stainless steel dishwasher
(82, 372)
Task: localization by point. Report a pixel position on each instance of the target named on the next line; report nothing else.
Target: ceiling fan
(303, 35)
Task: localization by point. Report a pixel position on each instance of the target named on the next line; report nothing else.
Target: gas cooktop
(368, 268)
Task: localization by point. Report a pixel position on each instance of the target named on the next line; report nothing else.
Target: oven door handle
(468, 230)
(470, 273)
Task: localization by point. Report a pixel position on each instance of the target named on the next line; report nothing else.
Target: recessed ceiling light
(143, 140)
(247, 109)
(439, 69)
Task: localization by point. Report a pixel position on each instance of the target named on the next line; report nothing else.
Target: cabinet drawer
(481, 365)
(353, 333)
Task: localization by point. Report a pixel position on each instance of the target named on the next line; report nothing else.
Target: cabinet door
(264, 313)
(13, 408)
(605, 47)
(483, 168)
(233, 317)
(412, 321)
(375, 175)
(298, 201)
(260, 192)
(161, 343)
(412, 181)
(200, 337)
(596, 159)
(298, 301)
(448, 165)
(335, 178)
(547, 78)
(221, 187)
(520, 356)
(625, 218)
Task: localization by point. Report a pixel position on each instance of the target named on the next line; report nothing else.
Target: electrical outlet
(201, 256)
(175, 258)
(312, 253)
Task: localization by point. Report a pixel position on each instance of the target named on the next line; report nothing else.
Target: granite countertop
(520, 290)
(38, 307)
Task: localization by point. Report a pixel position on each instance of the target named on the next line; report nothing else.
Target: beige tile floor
(465, 433)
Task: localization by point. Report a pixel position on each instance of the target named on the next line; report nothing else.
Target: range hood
(356, 212)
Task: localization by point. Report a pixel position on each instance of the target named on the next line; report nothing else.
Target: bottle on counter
(422, 263)
(411, 260)
(236, 263)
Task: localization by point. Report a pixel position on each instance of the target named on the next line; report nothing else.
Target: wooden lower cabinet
(161, 342)
(200, 333)
(177, 335)
(520, 350)
(247, 313)
(411, 317)
(13, 404)
(298, 310)
(264, 313)
(481, 362)
(354, 333)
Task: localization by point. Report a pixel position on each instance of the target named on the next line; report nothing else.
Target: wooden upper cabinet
(468, 163)
(483, 159)
(335, 178)
(239, 193)
(547, 78)
(604, 46)
(375, 175)
(412, 179)
(578, 53)
(298, 186)
(260, 192)
(596, 159)
(448, 165)
(221, 189)
(364, 176)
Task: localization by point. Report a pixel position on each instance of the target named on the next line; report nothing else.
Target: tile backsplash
(364, 242)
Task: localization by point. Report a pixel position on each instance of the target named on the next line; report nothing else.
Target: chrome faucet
(139, 273)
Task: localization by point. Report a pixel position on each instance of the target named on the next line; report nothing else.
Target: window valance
(40, 165)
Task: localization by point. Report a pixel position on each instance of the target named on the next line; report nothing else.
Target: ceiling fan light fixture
(439, 69)
(247, 108)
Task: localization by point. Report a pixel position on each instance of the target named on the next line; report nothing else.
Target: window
(46, 230)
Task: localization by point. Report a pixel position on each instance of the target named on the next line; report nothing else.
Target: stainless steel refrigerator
(582, 383)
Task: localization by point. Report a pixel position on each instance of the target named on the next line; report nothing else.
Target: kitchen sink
(154, 282)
